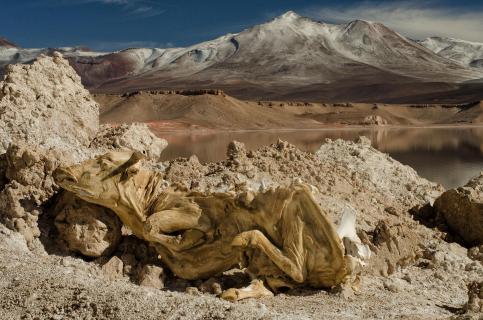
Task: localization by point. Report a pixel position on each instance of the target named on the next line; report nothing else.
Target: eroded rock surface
(29, 185)
(48, 118)
(135, 136)
(87, 228)
(475, 298)
(462, 210)
(374, 120)
(44, 104)
(113, 269)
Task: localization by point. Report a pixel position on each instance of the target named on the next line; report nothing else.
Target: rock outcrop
(374, 120)
(28, 185)
(340, 169)
(45, 104)
(462, 210)
(135, 136)
(151, 276)
(48, 118)
(214, 92)
(475, 298)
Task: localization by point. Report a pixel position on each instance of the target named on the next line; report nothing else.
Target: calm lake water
(450, 156)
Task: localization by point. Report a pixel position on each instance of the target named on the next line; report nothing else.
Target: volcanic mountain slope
(12, 54)
(465, 52)
(288, 52)
(286, 58)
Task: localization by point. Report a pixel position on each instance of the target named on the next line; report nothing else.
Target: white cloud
(416, 20)
(146, 11)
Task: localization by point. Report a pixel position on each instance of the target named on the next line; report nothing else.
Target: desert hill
(472, 114)
(215, 109)
(205, 110)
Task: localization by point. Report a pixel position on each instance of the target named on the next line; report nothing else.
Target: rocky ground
(39, 285)
(61, 258)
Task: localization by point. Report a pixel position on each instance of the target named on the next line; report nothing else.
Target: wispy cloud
(114, 1)
(108, 46)
(146, 12)
(417, 20)
(132, 8)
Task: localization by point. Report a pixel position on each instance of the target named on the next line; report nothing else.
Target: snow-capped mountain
(289, 50)
(465, 52)
(10, 53)
(289, 53)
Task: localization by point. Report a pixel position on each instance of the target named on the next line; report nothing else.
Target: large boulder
(45, 104)
(462, 210)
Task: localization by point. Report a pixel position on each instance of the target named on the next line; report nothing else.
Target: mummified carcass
(281, 235)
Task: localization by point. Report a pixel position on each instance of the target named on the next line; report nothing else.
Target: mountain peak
(289, 15)
(360, 23)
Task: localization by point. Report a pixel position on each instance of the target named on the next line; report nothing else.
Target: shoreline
(323, 128)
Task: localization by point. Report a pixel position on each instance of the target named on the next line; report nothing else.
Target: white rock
(45, 104)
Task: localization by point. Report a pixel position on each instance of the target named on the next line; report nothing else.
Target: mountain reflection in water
(450, 156)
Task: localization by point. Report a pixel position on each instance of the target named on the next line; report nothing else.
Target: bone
(347, 233)
(256, 289)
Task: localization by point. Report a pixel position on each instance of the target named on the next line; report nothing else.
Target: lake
(447, 155)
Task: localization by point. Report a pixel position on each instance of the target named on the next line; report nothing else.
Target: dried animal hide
(281, 235)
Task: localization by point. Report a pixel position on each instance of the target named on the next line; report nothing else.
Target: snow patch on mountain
(464, 52)
(288, 49)
(13, 55)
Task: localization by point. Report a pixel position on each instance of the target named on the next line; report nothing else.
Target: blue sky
(116, 24)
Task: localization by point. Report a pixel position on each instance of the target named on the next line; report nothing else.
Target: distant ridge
(287, 57)
(6, 43)
(465, 52)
